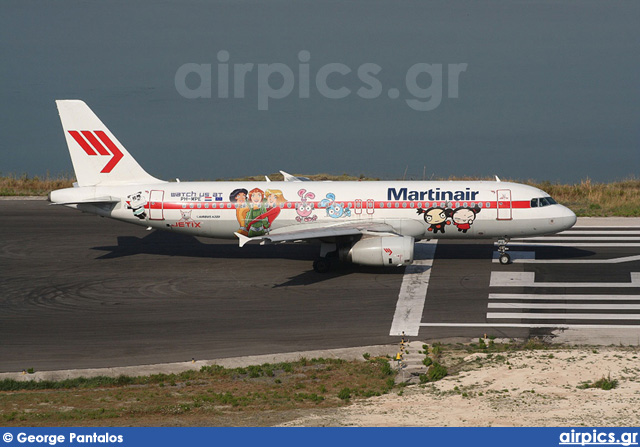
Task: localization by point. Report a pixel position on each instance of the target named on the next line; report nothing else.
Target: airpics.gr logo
(94, 146)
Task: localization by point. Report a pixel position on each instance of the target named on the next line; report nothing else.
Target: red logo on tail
(90, 144)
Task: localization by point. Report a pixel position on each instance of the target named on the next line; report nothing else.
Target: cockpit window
(542, 201)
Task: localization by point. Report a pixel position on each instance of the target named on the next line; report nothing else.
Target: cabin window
(551, 201)
(543, 201)
(534, 203)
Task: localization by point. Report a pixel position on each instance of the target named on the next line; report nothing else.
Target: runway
(79, 291)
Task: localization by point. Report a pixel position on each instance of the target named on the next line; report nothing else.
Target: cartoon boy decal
(464, 217)
(239, 197)
(136, 203)
(437, 218)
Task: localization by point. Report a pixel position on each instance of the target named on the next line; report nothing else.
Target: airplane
(363, 222)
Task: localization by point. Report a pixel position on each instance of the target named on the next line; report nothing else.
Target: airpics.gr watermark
(423, 82)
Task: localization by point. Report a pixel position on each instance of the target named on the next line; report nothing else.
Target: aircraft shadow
(162, 243)
(458, 250)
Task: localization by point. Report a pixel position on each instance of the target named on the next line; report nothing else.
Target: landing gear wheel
(502, 249)
(321, 265)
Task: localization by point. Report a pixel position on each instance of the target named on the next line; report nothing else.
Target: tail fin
(98, 157)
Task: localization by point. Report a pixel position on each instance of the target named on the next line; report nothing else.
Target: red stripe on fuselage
(384, 205)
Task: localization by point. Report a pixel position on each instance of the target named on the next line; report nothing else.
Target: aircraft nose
(566, 218)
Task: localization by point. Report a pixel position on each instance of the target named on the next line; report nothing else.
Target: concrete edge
(23, 197)
(175, 368)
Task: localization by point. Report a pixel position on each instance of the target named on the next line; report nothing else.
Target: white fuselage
(420, 209)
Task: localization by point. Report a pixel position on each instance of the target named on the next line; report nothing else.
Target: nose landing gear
(502, 250)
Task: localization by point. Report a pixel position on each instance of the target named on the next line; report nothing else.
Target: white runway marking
(545, 316)
(413, 291)
(527, 279)
(564, 306)
(516, 259)
(516, 256)
(533, 296)
(535, 325)
(575, 244)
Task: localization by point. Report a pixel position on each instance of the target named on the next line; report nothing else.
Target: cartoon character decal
(263, 208)
(239, 197)
(463, 218)
(335, 210)
(137, 202)
(185, 216)
(305, 208)
(439, 217)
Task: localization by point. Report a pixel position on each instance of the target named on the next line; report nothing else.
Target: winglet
(242, 239)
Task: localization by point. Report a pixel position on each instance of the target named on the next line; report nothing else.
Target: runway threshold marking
(534, 325)
(584, 297)
(561, 316)
(413, 291)
(591, 306)
(527, 279)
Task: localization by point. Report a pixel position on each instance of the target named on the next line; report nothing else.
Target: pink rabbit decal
(305, 208)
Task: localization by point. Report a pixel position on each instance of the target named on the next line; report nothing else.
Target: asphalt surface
(79, 291)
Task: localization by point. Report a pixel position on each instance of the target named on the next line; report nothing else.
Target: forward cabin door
(156, 205)
(504, 204)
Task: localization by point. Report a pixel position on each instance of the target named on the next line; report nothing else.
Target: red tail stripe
(83, 144)
(94, 142)
(117, 155)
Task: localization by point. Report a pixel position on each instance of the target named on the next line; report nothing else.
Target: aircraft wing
(290, 234)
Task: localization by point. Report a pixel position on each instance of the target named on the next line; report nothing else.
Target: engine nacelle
(380, 251)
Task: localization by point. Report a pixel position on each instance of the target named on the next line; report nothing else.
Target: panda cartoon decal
(136, 203)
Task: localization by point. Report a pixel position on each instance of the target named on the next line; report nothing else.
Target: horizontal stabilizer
(95, 201)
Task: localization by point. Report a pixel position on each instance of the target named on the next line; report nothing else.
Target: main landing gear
(321, 265)
(502, 250)
(328, 258)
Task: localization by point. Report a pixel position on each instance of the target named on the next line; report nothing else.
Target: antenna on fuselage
(497, 179)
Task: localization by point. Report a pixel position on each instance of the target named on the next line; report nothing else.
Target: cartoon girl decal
(464, 217)
(239, 196)
(261, 212)
(274, 198)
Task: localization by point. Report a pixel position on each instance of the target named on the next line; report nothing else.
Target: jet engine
(380, 251)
